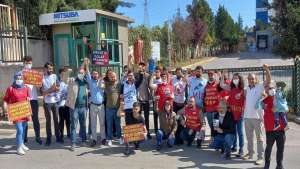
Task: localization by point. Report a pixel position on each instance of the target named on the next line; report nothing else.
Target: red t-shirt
(236, 102)
(269, 115)
(211, 97)
(224, 94)
(192, 118)
(165, 92)
(14, 95)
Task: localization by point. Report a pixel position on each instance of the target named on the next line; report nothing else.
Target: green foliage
(286, 25)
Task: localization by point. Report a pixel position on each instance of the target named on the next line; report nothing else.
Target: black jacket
(228, 126)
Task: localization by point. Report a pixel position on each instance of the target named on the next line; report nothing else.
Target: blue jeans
(111, 116)
(239, 132)
(21, 128)
(78, 114)
(223, 141)
(281, 115)
(161, 135)
(184, 135)
(210, 119)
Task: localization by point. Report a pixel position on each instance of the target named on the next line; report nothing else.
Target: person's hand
(191, 131)
(219, 130)
(86, 61)
(265, 67)
(172, 135)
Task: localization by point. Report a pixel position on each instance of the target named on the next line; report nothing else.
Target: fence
(13, 45)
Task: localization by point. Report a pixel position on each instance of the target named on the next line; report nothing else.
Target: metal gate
(13, 45)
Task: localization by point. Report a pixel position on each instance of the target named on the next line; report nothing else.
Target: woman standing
(18, 92)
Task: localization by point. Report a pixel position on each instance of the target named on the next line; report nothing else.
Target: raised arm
(151, 83)
(268, 74)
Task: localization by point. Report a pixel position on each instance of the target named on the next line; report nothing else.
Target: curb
(294, 118)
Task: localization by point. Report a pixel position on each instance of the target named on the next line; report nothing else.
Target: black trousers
(178, 139)
(279, 138)
(35, 119)
(145, 107)
(64, 118)
(51, 108)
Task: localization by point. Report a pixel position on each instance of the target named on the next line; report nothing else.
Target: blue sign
(66, 16)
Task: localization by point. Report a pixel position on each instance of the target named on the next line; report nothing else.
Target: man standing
(49, 89)
(144, 93)
(77, 102)
(254, 117)
(97, 107)
(34, 104)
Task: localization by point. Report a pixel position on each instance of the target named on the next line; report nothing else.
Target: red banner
(33, 77)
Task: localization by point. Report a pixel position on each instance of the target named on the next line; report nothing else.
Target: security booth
(88, 33)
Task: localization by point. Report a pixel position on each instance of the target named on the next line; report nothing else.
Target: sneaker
(48, 143)
(286, 128)
(20, 151)
(25, 140)
(158, 147)
(73, 147)
(103, 141)
(39, 141)
(259, 162)
(25, 148)
(233, 150)
(136, 146)
(120, 141)
(240, 154)
(226, 156)
(247, 157)
(93, 143)
(127, 151)
(199, 143)
(109, 143)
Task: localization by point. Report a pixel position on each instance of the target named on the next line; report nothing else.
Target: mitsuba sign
(66, 16)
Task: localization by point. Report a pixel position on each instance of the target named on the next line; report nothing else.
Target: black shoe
(233, 150)
(158, 147)
(222, 151)
(73, 147)
(48, 143)
(39, 141)
(25, 140)
(103, 141)
(136, 146)
(169, 145)
(60, 141)
(93, 143)
(227, 156)
(149, 137)
(199, 143)
(189, 143)
(127, 151)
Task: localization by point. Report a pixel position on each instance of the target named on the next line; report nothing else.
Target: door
(63, 51)
(81, 51)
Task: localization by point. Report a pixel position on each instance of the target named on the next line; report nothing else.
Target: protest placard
(134, 132)
(19, 110)
(33, 77)
(100, 58)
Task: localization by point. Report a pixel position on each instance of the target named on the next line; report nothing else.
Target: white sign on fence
(155, 50)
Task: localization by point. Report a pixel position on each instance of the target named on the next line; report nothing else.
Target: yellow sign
(134, 132)
(19, 110)
(33, 77)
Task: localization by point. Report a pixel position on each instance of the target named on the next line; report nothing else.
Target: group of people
(183, 104)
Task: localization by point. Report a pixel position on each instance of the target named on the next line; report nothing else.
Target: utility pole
(146, 14)
(169, 43)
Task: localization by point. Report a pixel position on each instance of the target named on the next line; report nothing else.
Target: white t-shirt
(179, 90)
(252, 96)
(196, 89)
(48, 81)
(32, 92)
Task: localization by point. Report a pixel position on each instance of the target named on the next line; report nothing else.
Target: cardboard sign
(19, 110)
(134, 132)
(33, 77)
(100, 58)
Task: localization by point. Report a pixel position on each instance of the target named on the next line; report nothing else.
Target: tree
(286, 25)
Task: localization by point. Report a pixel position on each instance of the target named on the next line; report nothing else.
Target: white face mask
(222, 114)
(19, 82)
(28, 66)
(235, 81)
(272, 92)
(80, 76)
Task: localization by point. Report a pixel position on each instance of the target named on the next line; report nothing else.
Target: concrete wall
(6, 75)
(62, 29)
(123, 37)
(41, 51)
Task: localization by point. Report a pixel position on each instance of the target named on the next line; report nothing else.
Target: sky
(163, 10)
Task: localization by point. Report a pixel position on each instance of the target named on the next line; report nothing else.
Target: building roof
(114, 15)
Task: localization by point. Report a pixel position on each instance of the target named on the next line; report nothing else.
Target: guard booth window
(109, 33)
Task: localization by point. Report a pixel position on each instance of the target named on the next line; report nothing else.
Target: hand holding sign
(33, 77)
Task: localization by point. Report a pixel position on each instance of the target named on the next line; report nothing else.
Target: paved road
(247, 59)
(58, 156)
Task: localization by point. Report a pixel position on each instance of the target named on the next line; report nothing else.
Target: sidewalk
(201, 62)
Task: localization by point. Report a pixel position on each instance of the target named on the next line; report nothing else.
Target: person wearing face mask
(18, 92)
(211, 99)
(236, 103)
(96, 87)
(272, 135)
(168, 126)
(77, 101)
(253, 116)
(191, 121)
(34, 103)
(143, 93)
(50, 88)
(224, 130)
(163, 91)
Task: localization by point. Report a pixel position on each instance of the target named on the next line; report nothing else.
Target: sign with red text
(33, 77)
(134, 132)
(19, 110)
(100, 58)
